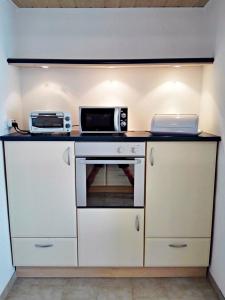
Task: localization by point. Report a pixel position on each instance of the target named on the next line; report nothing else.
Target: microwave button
(123, 124)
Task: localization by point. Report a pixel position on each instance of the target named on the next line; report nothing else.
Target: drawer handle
(178, 245)
(43, 245)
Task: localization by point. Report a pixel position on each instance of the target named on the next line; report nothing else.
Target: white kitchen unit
(41, 196)
(177, 252)
(110, 237)
(38, 252)
(179, 202)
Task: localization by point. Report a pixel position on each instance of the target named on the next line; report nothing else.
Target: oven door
(99, 119)
(110, 182)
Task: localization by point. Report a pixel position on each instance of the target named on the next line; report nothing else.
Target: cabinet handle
(66, 156)
(133, 150)
(178, 245)
(151, 157)
(43, 245)
(119, 150)
(137, 223)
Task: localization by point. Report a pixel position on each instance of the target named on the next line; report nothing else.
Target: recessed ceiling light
(44, 67)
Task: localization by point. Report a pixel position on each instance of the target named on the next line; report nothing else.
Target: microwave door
(115, 183)
(97, 119)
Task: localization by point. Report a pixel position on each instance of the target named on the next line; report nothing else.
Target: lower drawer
(177, 252)
(44, 252)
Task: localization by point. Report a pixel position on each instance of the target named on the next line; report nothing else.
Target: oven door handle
(110, 162)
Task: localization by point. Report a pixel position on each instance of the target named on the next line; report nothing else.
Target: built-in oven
(110, 174)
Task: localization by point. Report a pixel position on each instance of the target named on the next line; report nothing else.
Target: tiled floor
(112, 289)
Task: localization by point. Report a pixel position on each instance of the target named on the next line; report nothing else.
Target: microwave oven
(50, 122)
(103, 119)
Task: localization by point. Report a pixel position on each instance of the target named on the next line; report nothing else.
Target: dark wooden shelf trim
(24, 61)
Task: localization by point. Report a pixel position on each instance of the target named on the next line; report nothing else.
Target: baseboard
(109, 272)
(8, 287)
(215, 286)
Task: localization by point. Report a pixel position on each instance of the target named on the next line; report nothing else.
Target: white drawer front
(44, 251)
(178, 252)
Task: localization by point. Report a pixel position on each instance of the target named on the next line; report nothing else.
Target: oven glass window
(110, 185)
(47, 122)
(99, 119)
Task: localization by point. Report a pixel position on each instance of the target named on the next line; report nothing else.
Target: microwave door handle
(111, 162)
(116, 120)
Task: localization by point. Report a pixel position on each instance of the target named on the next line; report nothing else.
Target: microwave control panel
(123, 119)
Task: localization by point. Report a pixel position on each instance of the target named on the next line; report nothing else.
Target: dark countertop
(130, 136)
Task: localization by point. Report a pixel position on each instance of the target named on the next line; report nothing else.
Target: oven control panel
(97, 149)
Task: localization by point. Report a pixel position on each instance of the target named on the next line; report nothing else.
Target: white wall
(213, 119)
(10, 106)
(145, 91)
(113, 33)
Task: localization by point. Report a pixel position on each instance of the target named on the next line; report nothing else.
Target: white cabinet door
(110, 237)
(41, 188)
(180, 188)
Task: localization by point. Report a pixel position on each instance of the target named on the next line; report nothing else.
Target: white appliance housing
(50, 122)
(184, 124)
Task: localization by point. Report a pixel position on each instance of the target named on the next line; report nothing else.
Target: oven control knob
(123, 115)
(123, 124)
(67, 118)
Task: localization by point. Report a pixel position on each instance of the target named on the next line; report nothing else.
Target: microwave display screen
(47, 122)
(99, 119)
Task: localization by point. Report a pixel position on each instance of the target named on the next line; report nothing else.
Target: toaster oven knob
(67, 125)
(123, 124)
(67, 118)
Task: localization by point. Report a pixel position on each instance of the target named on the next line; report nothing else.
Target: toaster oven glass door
(47, 122)
(97, 119)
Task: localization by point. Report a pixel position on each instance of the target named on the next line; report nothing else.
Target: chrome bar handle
(151, 157)
(110, 162)
(178, 245)
(43, 245)
(66, 156)
(137, 223)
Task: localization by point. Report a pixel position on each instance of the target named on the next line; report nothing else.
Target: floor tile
(112, 289)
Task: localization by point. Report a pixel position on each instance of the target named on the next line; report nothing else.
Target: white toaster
(173, 124)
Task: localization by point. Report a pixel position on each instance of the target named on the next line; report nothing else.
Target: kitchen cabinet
(180, 188)
(177, 252)
(110, 237)
(179, 203)
(41, 189)
(38, 252)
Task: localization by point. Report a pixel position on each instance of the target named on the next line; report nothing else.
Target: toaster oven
(50, 122)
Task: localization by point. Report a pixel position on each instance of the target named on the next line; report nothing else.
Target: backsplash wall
(145, 90)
